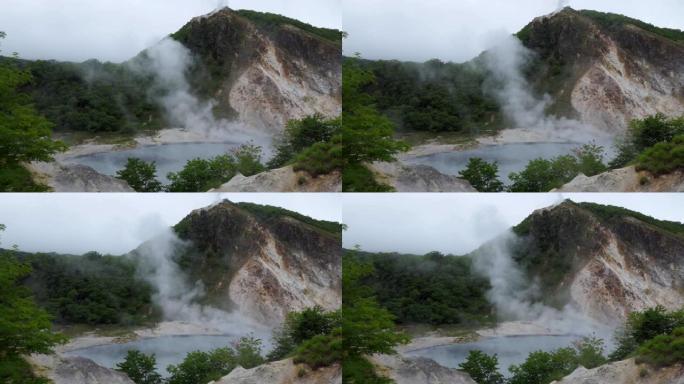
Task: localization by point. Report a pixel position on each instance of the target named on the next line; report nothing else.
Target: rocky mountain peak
(607, 261)
(265, 260)
(606, 69)
(264, 69)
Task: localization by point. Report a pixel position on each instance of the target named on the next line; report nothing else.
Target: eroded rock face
(266, 267)
(418, 178)
(266, 76)
(625, 372)
(283, 180)
(605, 267)
(417, 371)
(75, 370)
(625, 180)
(75, 178)
(607, 76)
(283, 372)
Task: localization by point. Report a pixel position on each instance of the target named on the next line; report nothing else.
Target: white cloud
(116, 30)
(117, 223)
(459, 30)
(459, 223)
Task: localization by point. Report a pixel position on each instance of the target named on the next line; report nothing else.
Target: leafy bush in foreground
(140, 175)
(482, 175)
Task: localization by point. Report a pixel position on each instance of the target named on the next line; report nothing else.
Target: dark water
(510, 350)
(167, 349)
(168, 157)
(511, 157)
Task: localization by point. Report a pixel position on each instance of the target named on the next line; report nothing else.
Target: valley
(237, 78)
(571, 282)
(229, 283)
(538, 100)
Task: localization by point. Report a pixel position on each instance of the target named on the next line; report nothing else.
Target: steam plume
(169, 62)
(506, 61)
(516, 298)
(176, 295)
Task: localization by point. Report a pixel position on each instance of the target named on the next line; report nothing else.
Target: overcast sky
(459, 223)
(118, 223)
(116, 30)
(458, 30)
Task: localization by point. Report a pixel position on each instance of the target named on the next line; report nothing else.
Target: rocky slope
(625, 372)
(263, 261)
(283, 372)
(283, 180)
(417, 178)
(606, 261)
(607, 69)
(75, 370)
(417, 371)
(625, 180)
(264, 69)
(75, 178)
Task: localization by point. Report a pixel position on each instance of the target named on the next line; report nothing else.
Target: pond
(511, 157)
(167, 349)
(509, 349)
(168, 157)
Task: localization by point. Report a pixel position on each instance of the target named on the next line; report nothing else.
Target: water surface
(167, 349)
(509, 349)
(168, 157)
(511, 157)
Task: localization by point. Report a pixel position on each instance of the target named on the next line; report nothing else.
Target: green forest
(434, 96)
(431, 289)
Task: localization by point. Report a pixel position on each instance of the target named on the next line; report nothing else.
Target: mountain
(605, 68)
(264, 67)
(265, 261)
(607, 261)
(260, 68)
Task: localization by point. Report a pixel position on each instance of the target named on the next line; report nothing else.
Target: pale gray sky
(458, 30)
(117, 223)
(459, 223)
(116, 30)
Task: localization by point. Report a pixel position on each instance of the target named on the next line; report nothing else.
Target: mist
(169, 62)
(517, 298)
(506, 61)
(177, 296)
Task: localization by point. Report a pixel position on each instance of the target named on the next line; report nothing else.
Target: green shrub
(482, 368)
(482, 175)
(16, 178)
(200, 175)
(358, 370)
(302, 134)
(300, 327)
(663, 350)
(543, 175)
(663, 158)
(358, 178)
(140, 368)
(321, 158)
(15, 370)
(643, 326)
(644, 134)
(321, 350)
(140, 176)
(202, 367)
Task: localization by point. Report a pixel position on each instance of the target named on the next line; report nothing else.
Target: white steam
(506, 62)
(516, 298)
(562, 4)
(176, 295)
(169, 62)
